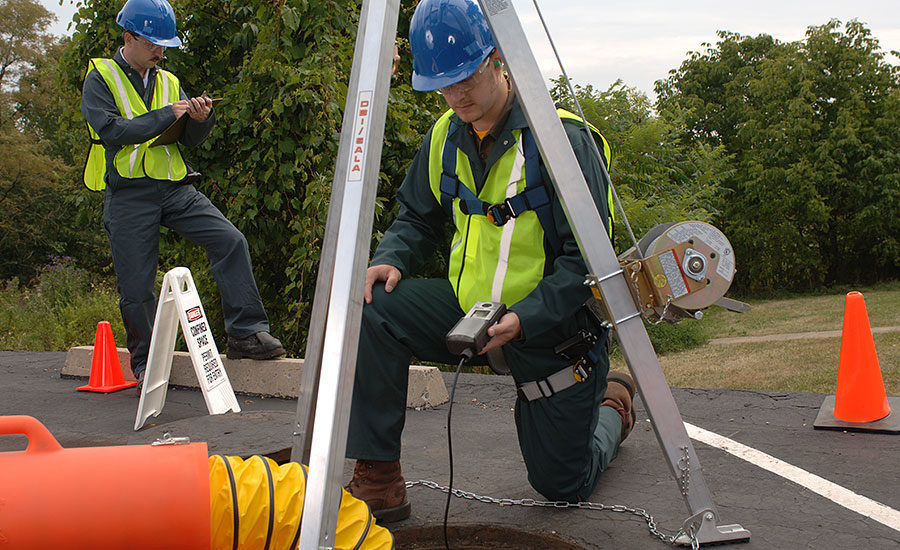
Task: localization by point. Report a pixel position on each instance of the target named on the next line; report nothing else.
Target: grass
(809, 365)
(803, 314)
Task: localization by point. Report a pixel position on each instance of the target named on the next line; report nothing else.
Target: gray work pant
(566, 440)
(133, 212)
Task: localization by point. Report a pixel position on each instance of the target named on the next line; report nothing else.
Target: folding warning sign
(180, 303)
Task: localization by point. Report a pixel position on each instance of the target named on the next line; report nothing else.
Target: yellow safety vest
(489, 262)
(163, 162)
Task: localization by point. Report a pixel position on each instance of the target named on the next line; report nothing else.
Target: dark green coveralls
(134, 209)
(567, 440)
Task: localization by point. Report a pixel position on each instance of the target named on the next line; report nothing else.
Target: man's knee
(228, 244)
(564, 483)
(135, 290)
(386, 306)
(235, 239)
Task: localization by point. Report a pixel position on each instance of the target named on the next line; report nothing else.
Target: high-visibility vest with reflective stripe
(139, 160)
(487, 262)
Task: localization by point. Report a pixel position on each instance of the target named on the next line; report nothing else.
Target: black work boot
(381, 486)
(259, 346)
(619, 395)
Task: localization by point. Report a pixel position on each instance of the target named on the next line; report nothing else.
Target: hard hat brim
(423, 83)
(173, 42)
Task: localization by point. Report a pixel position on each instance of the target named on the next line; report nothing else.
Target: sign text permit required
(360, 136)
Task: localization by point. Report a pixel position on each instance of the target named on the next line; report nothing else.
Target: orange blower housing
(147, 496)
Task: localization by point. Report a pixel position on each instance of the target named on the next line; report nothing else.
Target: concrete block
(426, 388)
(276, 378)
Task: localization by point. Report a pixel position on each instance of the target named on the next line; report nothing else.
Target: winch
(678, 269)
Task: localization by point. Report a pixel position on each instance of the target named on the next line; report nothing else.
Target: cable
(466, 355)
(603, 170)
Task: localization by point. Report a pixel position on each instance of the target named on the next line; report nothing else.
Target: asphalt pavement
(860, 472)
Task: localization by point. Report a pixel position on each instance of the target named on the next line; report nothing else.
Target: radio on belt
(469, 334)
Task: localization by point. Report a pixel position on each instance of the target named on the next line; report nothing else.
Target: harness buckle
(498, 214)
(545, 387)
(582, 370)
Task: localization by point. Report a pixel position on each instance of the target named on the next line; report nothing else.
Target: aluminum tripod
(324, 403)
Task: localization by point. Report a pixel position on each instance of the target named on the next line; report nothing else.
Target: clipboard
(173, 132)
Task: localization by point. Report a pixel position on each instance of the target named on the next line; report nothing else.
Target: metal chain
(662, 316)
(595, 506)
(684, 467)
(633, 279)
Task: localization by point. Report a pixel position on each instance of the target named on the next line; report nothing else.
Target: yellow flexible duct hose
(255, 504)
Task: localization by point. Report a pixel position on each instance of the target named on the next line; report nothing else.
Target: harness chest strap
(534, 197)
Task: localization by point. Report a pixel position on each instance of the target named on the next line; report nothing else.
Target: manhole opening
(472, 537)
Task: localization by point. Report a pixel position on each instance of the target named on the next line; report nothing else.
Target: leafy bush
(60, 310)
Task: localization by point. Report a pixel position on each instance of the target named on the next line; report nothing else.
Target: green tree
(809, 127)
(23, 24)
(659, 176)
(35, 221)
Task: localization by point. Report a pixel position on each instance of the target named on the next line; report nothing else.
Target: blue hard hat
(449, 40)
(152, 19)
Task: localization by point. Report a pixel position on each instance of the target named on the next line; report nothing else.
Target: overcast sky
(641, 40)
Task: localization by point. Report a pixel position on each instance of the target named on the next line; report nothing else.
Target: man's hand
(180, 107)
(197, 107)
(387, 273)
(505, 330)
(395, 66)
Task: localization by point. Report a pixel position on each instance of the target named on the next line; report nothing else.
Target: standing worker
(479, 170)
(128, 102)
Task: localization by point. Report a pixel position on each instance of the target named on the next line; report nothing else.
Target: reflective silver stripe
(120, 87)
(133, 159)
(506, 237)
(165, 101)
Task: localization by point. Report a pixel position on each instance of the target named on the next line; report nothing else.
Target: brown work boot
(381, 486)
(619, 394)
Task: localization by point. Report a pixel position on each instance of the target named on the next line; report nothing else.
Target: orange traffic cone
(860, 402)
(106, 371)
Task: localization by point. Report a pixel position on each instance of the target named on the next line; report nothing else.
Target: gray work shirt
(98, 105)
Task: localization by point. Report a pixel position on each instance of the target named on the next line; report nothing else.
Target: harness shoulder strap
(451, 187)
(536, 192)
(535, 196)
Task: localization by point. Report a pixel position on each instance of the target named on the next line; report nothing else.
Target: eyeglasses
(469, 83)
(147, 44)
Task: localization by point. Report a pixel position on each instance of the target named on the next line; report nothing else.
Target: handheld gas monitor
(469, 334)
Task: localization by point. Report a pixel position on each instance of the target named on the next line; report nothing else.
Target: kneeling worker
(476, 160)
(128, 102)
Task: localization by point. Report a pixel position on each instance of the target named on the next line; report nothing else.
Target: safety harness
(534, 197)
(585, 348)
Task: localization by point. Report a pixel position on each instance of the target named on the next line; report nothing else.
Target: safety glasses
(469, 83)
(147, 44)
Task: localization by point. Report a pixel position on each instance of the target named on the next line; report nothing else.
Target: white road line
(837, 494)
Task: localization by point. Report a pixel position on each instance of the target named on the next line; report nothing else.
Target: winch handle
(40, 440)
